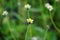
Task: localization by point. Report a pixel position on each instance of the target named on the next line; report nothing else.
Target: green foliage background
(14, 25)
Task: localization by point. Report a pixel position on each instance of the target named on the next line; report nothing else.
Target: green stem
(11, 32)
(26, 33)
(45, 36)
(30, 32)
(54, 23)
(28, 14)
(28, 28)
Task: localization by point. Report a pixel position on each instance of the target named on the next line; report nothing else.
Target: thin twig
(54, 23)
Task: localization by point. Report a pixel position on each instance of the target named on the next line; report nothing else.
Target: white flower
(4, 13)
(27, 6)
(30, 20)
(49, 7)
(57, 0)
(19, 3)
(48, 26)
(34, 38)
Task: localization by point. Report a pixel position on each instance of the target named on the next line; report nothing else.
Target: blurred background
(46, 24)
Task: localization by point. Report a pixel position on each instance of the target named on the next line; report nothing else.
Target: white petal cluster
(57, 0)
(34, 38)
(4, 13)
(30, 20)
(48, 26)
(19, 3)
(49, 7)
(27, 6)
